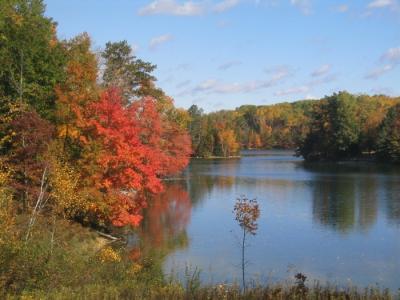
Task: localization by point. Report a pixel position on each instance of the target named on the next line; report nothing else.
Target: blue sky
(220, 54)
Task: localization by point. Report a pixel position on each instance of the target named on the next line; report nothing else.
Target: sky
(220, 54)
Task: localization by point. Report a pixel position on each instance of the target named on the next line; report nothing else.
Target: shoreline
(217, 157)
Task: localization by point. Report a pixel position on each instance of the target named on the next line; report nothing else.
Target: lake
(336, 222)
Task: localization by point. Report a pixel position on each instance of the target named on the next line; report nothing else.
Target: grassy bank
(63, 260)
(134, 289)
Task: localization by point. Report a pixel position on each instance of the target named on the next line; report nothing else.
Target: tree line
(336, 127)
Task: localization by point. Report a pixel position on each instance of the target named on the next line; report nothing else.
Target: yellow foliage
(6, 214)
(68, 131)
(13, 109)
(27, 297)
(136, 268)
(228, 141)
(64, 182)
(182, 118)
(107, 255)
(17, 19)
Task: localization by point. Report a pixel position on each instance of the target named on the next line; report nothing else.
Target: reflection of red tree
(135, 253)
(167, 215)
(166, 218)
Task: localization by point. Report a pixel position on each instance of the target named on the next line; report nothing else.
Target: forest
(337, 127)
(87, 138)
(75, 145)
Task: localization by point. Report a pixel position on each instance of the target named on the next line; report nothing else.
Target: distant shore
(217, 157)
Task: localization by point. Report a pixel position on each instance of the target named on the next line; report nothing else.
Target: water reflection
(164, 226)
(333, 221)
(334, 204)
(392, 193)
(346, 196)
(368, 202)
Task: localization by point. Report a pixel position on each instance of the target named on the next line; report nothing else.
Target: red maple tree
(138, 148)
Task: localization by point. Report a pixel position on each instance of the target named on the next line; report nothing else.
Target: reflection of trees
(345, 196)
(392, 195)
(163, 229)
(367, 202)
(204, 175)
(334, 204)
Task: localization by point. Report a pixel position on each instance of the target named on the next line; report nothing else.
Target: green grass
(139, 290)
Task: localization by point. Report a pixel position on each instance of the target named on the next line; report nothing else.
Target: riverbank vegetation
(76, 146)
(337, 127)
(88, 148)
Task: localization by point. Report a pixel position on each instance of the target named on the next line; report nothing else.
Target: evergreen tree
(126, 72)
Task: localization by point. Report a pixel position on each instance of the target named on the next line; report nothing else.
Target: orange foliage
(229, 144)
(78, 90)
(137, 147)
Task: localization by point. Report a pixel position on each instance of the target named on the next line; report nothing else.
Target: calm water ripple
(333, 222)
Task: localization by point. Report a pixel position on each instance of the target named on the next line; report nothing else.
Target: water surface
(336, 222)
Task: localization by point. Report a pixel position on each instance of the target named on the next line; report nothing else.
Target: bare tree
(39, 203)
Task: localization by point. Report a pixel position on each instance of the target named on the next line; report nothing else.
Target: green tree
(31, 57)
(123, 70)
(195, 124)
(334, 131)
(345, 129)
(371, 112)
(389, 137)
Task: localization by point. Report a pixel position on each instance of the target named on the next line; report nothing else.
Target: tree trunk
(243, 262)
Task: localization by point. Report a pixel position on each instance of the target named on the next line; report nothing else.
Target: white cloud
(225, 5)
(342, 8)
(392, 55)
(310, 97)
(186, 8)
(279, 73)
(378, 72)
(380, 3)
(304, 6)
(159, 40)
(229, 64)
(321, 71)
(307, 88)
(213, 86)
(172, 7)
(294, 90)
(206, 85)
(389, 60)
(382, 91)
(323, 80)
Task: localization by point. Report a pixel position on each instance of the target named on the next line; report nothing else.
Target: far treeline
(338, 127)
